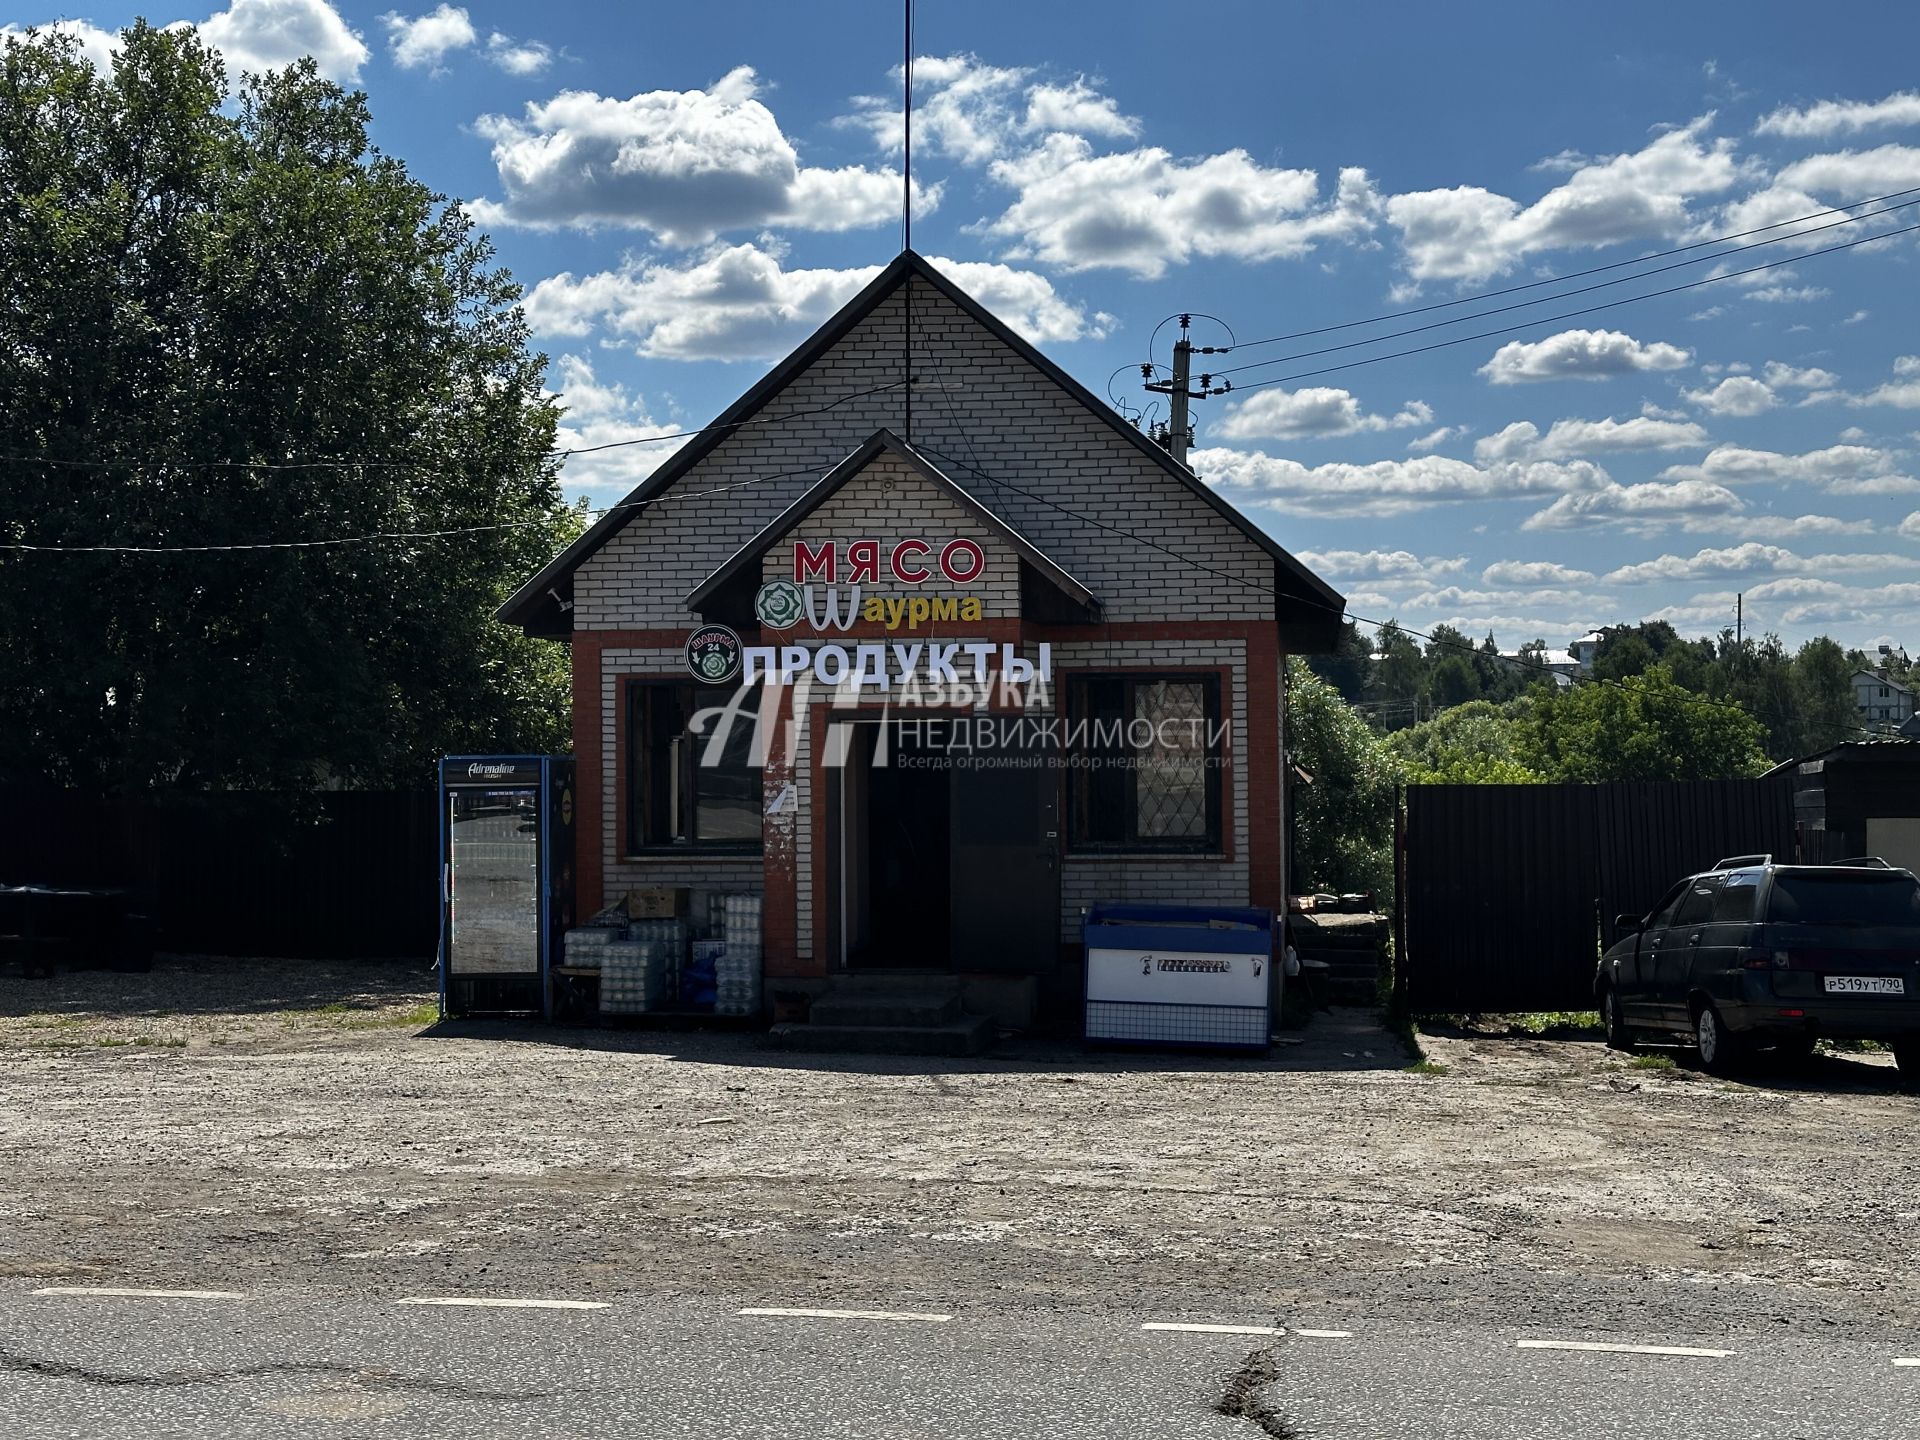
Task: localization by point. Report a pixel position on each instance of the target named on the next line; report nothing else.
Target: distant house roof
(1886, 747)
(1874, 679)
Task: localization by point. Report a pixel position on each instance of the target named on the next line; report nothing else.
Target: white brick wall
(976, 403)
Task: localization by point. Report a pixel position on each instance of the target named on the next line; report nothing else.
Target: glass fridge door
(493, 902)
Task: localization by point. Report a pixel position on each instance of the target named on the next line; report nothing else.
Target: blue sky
(687, 191)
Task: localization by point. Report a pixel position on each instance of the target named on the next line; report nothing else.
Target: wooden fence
(337, 874)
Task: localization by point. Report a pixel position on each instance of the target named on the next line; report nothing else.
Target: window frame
(692, 697)
(1210, 845)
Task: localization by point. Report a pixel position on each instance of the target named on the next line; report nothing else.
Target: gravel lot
(230, 1123)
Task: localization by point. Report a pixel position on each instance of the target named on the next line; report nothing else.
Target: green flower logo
(778, 604)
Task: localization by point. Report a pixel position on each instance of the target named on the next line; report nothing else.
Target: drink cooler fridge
(1179, 975)
(506, 880)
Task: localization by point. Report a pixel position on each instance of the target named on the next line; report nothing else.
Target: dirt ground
(235, 1124)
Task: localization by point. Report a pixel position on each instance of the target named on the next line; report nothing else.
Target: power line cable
(1569, 314)
(369, 537)
(1572, 275)
(561, 455)
(1562, 295)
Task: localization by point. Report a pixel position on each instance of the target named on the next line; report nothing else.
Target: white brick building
(1065, 528)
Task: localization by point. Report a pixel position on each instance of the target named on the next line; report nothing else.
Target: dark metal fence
(337, 874)
(1504, 889)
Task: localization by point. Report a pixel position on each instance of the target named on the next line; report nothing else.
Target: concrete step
(886, 1007)
(968, 1035)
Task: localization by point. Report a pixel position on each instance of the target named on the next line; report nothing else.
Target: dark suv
(1751, 953)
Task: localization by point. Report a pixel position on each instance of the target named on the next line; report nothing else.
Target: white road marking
(1326, 1334)
(495, 1303)
(1907, 1362)
(1612, 1349)
(141, 1294)
(1216, 1329)
(845, 1314)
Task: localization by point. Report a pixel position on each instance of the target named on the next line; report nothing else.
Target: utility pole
(1739, 618)
(1180, 390)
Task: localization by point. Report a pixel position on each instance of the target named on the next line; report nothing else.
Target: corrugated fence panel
(1506, 887)
(337, 874)
(1499, 896)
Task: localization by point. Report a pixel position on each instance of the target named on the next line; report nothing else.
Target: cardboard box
(658, 902)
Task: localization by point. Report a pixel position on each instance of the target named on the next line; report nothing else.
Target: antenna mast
(906, 209)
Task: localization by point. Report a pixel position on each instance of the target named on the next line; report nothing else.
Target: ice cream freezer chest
(1179, 975)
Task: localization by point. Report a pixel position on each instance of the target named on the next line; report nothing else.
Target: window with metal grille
(1146, 762)
(692, 783)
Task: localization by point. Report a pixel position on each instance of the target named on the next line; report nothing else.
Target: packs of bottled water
(671, 936)
(716, 915)
(736, 972)
(633, 977)
(587, 945)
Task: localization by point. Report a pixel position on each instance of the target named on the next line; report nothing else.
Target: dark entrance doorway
(947, 855)
(897, 863)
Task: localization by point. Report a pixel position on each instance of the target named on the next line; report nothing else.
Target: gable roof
(542, 605)
(884, 442)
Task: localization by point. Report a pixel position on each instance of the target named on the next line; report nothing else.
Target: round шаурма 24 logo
(713, 654)
(778, 604)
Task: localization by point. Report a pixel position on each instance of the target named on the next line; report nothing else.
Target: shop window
(684, 791)
(1146, 767)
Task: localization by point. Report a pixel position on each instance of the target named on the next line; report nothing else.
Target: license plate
(1866, 985)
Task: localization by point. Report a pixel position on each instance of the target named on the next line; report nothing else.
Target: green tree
(1399, 675)
(1824, 711)
(1350, 667)
(1343, 815)
(1471, 744)
(200, 285)
(1643, 728)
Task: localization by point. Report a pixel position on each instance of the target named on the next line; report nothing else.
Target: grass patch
(1653, 1062)
(1427, 1067)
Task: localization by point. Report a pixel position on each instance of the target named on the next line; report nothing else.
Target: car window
(1839, 897)
(1697, 903)
(1663, 912)
(1733, 905)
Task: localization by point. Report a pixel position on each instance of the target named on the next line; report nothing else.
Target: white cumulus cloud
(1377, 565)
(99, 46)
(1570, 439)
(1533, 573)
(1141, 210)
(1472, 234)
(518, 57)
(1382, 487)
(740, 302)
(1316, 412)
(1581, 355)
(258, 35)
(685, 165)
(603, 413)
(1649, 506)
(1839, 469)
(1842, 117)
(1747, 559)
(426, 40)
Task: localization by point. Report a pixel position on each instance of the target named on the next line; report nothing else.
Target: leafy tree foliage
(1471, 744)
(1644, 728)
(201, 284)
(1343, 816)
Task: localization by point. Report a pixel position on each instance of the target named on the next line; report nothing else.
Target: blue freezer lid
(1230, 929)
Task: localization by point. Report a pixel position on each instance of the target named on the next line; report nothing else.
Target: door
(493, 881)
(1681, 951)
(1005, 886)
(1635, 979)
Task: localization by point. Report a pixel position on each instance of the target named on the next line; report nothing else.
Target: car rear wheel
(1619, 1033)
(1719, 1047)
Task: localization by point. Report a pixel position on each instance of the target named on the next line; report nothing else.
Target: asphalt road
(297, 1364)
